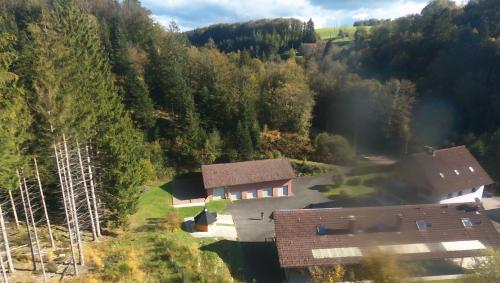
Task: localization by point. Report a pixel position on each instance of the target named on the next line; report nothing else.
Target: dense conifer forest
(154, 101)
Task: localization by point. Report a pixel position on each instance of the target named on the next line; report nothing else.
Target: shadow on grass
(230, 252)
(320, 188)
(249, 261)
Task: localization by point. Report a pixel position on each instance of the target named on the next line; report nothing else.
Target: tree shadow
(249, 261)
(320, 188)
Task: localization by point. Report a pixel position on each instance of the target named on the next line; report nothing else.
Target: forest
(153, 101)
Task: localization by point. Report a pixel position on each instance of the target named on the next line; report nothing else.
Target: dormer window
(456, 172)
(466, 222)
(471, 169)
(421, 225)
(321, 229)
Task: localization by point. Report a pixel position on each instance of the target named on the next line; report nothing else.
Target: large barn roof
(449, 170)
(247, 172)
(308, 237)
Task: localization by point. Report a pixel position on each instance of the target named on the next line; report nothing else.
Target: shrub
(338, 180)
(344, 194)
(172, 221)
(51, 266)
(354, 182)
(375, 181)
(287, 144)
(333, 149)
(306, 168)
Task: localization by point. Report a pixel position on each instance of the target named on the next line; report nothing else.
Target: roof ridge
(246, 161)
(403, 206)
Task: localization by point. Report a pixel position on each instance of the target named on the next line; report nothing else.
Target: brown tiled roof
(296, 231)
(429, 167)
(247, 172)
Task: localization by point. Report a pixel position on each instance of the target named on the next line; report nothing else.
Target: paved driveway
(246, 213)
(260, 257)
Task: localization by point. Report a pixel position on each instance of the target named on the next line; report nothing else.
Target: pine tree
(14, 116)
(244, 142)
(97, 113)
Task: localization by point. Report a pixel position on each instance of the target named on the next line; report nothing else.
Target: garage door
(218, 193)
(251, 194)
(283, 191)
(235, 195)
(267, 192)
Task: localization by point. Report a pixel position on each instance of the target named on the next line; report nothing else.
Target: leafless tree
(27, 221)
(13, 205)
(33, 224)
(6, 242)
(42, 199)
(62, 183)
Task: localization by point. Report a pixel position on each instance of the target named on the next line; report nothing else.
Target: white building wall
(467, 196)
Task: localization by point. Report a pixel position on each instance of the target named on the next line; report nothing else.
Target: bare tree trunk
(92, 190)
(37, 241)
(66, 212)
(42, 197)
(72, 199)
(89, 207)
(13, 204)
(6, 242)
(4, 273)
(30, 237)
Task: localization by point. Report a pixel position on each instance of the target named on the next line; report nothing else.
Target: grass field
(155, 249)
(333, 32)
(355, 187)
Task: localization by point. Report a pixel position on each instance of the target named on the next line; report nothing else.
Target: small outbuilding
(205, 220)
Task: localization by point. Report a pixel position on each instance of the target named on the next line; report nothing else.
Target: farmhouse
(329, 236)
(450, 175)
(249, 179)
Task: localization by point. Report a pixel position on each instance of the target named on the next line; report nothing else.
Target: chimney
(399, 220)
(352, 224)
(430, 150)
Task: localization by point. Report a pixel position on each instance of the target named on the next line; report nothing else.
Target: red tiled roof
(296, 231)
(437, 170)
(247, 172)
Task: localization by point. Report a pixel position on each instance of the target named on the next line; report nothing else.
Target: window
(456, 172)
(321, 229)
(471, 169)
(450, 195)
(466, 222)
(421, 225)
(460, 193)
(474, 190)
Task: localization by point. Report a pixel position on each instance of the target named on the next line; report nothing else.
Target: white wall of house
(468, 195)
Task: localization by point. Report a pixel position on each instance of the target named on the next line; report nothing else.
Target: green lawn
(358, 186)
(214, 206)
(154, 203)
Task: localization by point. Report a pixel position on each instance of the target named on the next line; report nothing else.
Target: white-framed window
(421, 225)
(466, 222)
